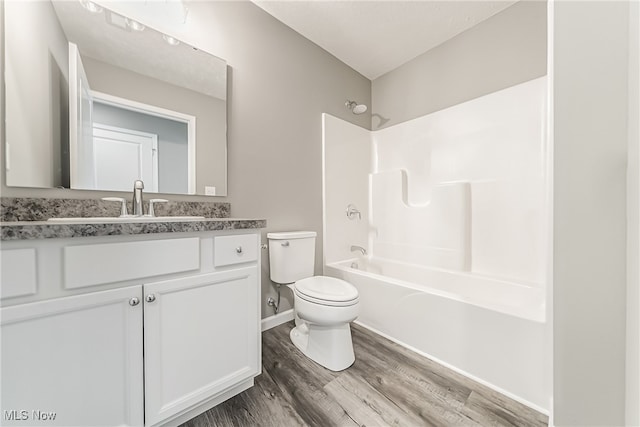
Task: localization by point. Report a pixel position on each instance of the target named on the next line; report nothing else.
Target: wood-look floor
(388, 385)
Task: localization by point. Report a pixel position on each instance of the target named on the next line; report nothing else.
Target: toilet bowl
(324, 306)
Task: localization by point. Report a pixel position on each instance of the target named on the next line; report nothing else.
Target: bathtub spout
(358, 248)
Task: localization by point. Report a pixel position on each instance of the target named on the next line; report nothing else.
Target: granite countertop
(25, 219)
(28, 230)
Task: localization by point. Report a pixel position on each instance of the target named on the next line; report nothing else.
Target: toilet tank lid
(288, 235)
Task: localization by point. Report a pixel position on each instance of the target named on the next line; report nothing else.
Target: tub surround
(25, 219)
(454, 216)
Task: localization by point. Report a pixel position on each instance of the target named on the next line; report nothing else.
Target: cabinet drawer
(18, 272)
(230, 250)
(88, 265)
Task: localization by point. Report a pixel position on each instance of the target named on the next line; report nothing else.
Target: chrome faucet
(138, 208)
(353, 212)
(358, 248)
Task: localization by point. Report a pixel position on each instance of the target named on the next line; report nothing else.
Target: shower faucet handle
(352, 212)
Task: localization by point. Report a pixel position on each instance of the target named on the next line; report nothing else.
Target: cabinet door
(74, 361)
(201, 336)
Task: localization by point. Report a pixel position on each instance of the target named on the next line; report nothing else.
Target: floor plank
(387, 385)
(409, 382)
(277, 347)
(261, 405)
(367, 406)
(301, 380)
(499, 411)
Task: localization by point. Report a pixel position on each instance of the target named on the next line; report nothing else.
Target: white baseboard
(277, 319)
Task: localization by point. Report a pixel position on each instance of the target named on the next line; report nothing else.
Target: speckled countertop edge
(30, 230)
(41, 209)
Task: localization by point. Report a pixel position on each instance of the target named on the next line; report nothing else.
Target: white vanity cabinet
(101, 340)
(74, 360)
(199, 339)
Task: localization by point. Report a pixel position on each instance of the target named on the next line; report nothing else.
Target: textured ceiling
(375, 37)
(105, 37)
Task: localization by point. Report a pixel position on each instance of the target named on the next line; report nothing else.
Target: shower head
(355, 107)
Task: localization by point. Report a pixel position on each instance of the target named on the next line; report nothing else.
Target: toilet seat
(326, 291)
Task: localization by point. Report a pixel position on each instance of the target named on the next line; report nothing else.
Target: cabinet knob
(134, 301)
(239, 249)
(151, 298)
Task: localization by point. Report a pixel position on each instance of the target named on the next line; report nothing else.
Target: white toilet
(324, 306)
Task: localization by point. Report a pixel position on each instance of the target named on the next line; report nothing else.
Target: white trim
(191, 156)
(123, 130)
(325, 237)
(139, 107)
(549, 160)
(277, 319)
(80, 175)
(105, 98)
(73, 116)
(455, 369)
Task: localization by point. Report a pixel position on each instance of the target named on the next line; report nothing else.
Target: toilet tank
(291, 255)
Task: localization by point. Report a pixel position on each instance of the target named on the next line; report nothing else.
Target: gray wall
(172, 143)
(37, 64)
(590, 74)
(279, 84)
(506, 49)
(210, 113)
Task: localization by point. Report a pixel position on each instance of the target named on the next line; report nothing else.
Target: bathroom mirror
(95, 100)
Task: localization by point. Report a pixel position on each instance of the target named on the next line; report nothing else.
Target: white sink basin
(105, 220)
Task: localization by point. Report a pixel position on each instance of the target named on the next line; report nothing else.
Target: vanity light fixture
(171, 40)
(134, 25)
(91, 6)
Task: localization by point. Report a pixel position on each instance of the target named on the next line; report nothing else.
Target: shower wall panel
(496, 145)
(346, 158)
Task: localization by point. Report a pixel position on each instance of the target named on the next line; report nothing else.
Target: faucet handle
(151, 202)
(123, 207)
(352, 212)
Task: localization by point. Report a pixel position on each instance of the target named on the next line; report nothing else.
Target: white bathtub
(492, 331)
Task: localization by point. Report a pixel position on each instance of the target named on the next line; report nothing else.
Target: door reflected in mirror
(92, 103)
(146, 137)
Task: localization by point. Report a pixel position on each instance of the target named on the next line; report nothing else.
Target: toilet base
(329, 346)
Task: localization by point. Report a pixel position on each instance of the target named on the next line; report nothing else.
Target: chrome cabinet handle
(239, 249)
(150, 298)
(134, 301)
